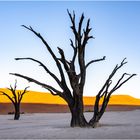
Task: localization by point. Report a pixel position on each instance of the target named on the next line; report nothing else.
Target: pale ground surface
(114, 125)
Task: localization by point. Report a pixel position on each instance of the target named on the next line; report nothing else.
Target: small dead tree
(15, 98)
(74, 96)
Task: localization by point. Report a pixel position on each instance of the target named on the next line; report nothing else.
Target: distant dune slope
(116, 100)
(40, 97)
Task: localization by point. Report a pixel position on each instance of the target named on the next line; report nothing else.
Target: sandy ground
(113, 125)
(54, 108)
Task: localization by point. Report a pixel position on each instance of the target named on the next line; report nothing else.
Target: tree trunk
(78, 119)
(77, 115)
(94, 122)
(17, 112)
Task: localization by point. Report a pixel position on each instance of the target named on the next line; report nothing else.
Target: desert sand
(113, 125)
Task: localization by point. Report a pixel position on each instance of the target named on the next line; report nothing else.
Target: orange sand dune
(41, 97)
(116, 100)
(35, 97)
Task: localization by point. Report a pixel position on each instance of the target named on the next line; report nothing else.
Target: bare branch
(55, 94)
(21, 95)
(118, 85)
(96, 60)
(72, 44)
(46, 69)
(74, 55)
(63, 59)
(13, 90)
(120, 80)
(3, 93)
(86, 34)
(105, 90)
(80, 24)
(15, 85)
(73, 27)
(50, 51)
(69, 67)
(43, 40)
(37, 82)
(123, 61)
(80, 29)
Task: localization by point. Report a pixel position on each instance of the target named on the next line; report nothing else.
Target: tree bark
(78, 120)
(17, 112)
(77, 115)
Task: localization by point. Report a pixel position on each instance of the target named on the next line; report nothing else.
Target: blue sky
(115, 26)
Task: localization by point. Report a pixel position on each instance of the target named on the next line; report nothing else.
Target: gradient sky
(115, 26)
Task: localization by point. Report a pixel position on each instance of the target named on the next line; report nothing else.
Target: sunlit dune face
(115, 100)
(39, 97)
(35, 97)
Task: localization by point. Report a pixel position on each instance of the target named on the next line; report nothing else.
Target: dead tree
(15, 98)
(106, 92)
(74, 96)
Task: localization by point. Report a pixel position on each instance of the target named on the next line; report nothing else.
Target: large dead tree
(74, 96)
(15, 97)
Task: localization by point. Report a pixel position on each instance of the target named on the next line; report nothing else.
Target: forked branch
(105, 92)
(22, 93)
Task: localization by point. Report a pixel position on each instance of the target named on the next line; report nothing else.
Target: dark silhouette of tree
(74, 96)
(15, 98)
